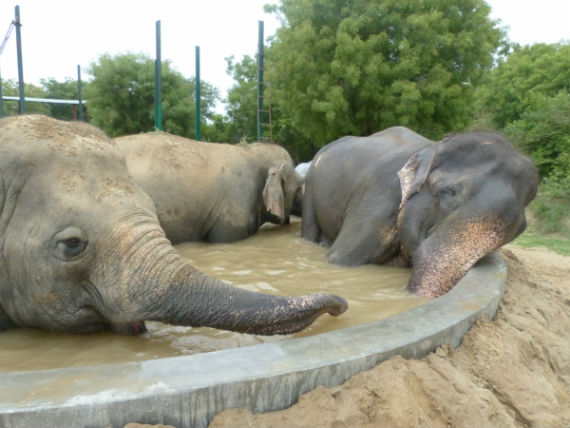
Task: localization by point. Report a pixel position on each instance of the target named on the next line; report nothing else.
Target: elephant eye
(71, 247)
(69, 244)
(447, 197)
(447, 192)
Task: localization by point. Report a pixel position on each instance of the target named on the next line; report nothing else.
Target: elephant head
(462, 198)
(282, 194)
(83, 250)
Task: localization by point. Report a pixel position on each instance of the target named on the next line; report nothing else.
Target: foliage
(242, 100)
(10, 88)
(512, 86)
(550, 214)
(66, 90)
(121, 96)
(338, 67)
(242, 113)
(543, 132)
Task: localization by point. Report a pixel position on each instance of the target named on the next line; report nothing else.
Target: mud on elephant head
(396, 196)
(82, 249)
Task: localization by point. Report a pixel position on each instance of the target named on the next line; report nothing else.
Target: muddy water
(274, 261)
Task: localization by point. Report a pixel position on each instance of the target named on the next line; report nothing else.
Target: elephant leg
(310, 229)
(220, 234)
(361, 243)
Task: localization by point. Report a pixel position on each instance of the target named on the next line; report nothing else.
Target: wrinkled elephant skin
(83, 250)
(212, 192)
(397, 197)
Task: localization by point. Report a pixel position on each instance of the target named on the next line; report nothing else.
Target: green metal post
(18, 24)
(79, 92)
(158, 82)
(259, 80)
(198, 136)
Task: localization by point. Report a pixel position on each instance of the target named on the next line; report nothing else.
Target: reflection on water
(274, 261)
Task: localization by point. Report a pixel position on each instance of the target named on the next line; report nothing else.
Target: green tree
(512, 86)
(242, 99)
(338, 67)
(66, 90)
(242, 113)
(10, 88)
(121, 96)
(543, 132)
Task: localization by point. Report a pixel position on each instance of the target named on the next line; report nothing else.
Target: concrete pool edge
(189, 391)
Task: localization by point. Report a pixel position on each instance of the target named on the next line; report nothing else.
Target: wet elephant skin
(397, 197)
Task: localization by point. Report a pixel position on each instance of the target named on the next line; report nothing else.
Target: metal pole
(158, 82)
(259, 81)
(198, 116)
(18, 24)
(79, 92)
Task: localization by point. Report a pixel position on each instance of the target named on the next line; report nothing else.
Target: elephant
(213, 192)
(397, 197)
(83, 251)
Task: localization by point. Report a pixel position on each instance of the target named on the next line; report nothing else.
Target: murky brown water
(275, 261)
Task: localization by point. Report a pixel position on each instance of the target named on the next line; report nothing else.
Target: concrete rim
(189, 391)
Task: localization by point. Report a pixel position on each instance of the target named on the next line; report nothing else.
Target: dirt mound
(513, 371)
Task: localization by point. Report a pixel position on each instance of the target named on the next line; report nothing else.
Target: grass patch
(551, 215)
(558, 245)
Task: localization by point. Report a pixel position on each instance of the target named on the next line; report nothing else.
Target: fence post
(259, 80)
(198, 136)
(79, 92)
(158, 82)
(18, 24)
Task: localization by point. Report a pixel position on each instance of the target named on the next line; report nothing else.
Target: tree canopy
(121, 96)
(527, 96)
(242, 100)
(10, 88)
(66, 90)
(338, 67)
(528, 70)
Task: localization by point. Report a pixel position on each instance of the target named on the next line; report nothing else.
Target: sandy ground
(513, 371)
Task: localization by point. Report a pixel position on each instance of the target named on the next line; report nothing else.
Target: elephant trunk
(195, 299)
(445, 257)
(160, 285)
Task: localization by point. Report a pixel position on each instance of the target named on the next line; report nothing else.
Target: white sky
(58, 35)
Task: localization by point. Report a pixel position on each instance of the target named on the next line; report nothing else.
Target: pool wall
(189, 391)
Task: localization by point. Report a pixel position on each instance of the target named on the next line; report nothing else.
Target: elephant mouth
(130, 329)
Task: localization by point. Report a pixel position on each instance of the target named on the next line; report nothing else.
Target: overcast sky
(58, 35)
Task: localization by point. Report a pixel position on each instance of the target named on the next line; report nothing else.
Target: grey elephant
(82, 249)
(397, 197)
(213, 192)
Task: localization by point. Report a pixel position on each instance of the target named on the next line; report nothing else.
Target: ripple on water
(273, 261)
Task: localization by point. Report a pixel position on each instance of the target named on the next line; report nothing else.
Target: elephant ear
(415, 172)
(273, 193)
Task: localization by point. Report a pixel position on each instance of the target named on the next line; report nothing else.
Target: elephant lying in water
(398, 197)
(212, 191)
(83, 250)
